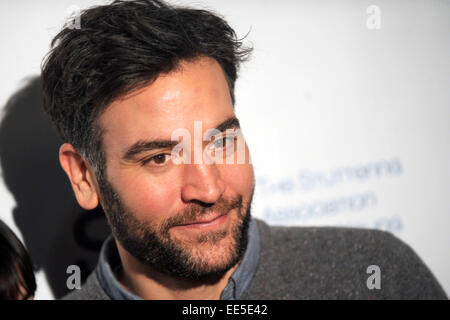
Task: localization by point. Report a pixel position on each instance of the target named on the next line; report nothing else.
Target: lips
(204, 221)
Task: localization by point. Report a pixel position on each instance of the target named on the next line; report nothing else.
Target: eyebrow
(230, 123)
(145, 146)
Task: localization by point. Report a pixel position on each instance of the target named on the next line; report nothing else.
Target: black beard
(156, 249)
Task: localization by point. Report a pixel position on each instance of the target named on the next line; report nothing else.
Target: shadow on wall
(56, 231)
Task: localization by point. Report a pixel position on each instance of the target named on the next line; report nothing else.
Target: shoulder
(90, 290)
(334, 263)
(355, 242)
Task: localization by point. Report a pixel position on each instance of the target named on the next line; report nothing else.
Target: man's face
(187, 219)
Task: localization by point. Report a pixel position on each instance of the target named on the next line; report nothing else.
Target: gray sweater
(324, 263)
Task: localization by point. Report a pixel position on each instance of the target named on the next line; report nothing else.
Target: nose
(202, 182)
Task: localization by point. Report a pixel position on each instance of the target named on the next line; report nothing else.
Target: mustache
(194, 211)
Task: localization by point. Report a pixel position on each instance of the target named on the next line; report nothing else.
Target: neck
(149, 284)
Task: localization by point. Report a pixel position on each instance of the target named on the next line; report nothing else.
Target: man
(143, 97)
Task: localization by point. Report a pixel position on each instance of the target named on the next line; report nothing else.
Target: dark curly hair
(122, 47)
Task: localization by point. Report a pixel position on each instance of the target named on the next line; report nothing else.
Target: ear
(80, 175)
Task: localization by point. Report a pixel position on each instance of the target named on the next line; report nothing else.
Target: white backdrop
(345, 106)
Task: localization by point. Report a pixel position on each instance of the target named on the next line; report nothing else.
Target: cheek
(239, 177)
(148, 199)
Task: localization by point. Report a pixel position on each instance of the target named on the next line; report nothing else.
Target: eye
(158, 160)
(223, 142)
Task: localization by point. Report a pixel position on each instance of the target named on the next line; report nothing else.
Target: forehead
(197, 90)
